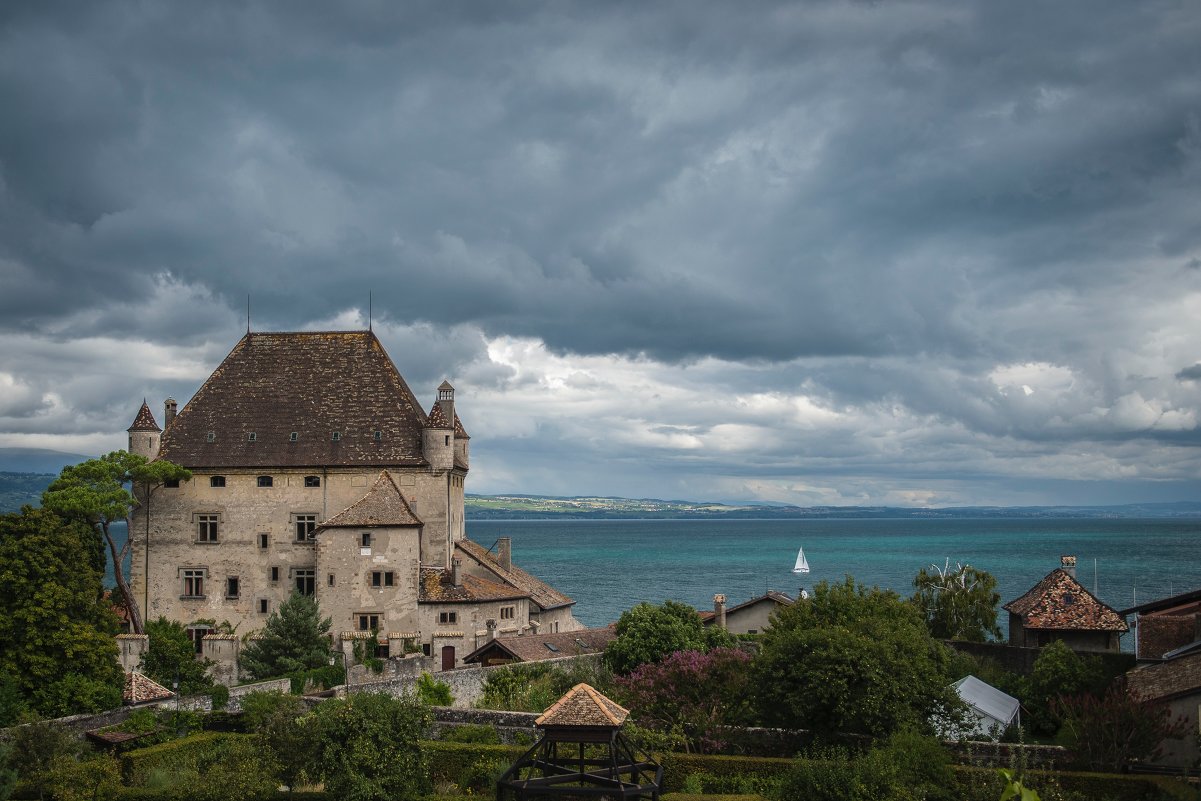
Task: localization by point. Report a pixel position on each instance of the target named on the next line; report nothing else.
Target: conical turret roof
(145, 420)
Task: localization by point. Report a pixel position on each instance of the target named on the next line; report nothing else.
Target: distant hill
(518, 507)
(19, 489)
(37, 460)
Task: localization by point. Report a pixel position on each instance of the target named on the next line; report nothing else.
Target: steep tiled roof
(460, 432)
(1159, 634)
(1180, 676)
(536, 647)
(583, 706)
(144, 421)
(436, 587)
(437, 419)
(383, 505)
(1061, 602)
(543, 594)
(311, 383)
(140, 689)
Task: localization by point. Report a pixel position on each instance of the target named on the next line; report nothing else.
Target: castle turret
(144, 433)
(437, 438)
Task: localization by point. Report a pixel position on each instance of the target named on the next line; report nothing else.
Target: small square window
(216, 481)
(274, 573)
(263, 606)
(264, 540)
(383, 578)
(266, 481)
(293, 437)
(369, 621)
(171, 483)
(210, 437)
(231, 587)
(312, 481)
(365, 539)
(336, 436)
(448, 617)
(252, 437)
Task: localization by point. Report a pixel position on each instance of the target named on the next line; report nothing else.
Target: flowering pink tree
(693, 692)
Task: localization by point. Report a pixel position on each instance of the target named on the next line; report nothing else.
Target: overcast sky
(823, 253)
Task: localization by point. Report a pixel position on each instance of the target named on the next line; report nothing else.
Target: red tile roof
(1176, 677)
(437, 419)
(583, 706)
(311, 383)
(543, 594)
(140, 688)
(536, 647)
(383, 505)
(436, 587)
(144, 421)
(460, 432)
(1061, 602)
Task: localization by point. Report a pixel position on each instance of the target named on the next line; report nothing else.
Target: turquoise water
(609, 565)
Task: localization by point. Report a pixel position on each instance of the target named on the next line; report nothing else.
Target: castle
(316, 470)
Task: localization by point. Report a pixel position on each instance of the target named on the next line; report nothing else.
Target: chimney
(504, 553)
(446, 400)
(490, 624)
(719, 610)
(169, 408)
(1068, 565)
(455, 564)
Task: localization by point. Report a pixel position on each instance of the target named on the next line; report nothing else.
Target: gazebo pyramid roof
(583, 706)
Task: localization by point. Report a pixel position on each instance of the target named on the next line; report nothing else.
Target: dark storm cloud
(911, 238)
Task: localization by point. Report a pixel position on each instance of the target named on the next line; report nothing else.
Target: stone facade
(315, 470)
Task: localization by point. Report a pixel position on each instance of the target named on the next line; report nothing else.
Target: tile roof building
(531, 648)
(1165, 625)
(315, 469)
(1060, 608)
(748, 617)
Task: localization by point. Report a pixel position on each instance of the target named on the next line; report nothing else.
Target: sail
(802, 564)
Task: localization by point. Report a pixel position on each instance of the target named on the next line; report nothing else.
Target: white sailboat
(802, 564)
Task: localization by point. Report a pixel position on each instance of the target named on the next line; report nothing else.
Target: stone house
(748, 617)
(316, 470)
(1060, 608)
(1165, 625)
(1176, 682)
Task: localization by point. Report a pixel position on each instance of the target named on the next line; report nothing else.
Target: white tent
(991, 711)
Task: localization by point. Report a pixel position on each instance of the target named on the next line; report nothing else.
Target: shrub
(219, 696)
(368, 747)
(449, 761)
(96, 778)
(471, 733)
(434, 692)
(1110, 732)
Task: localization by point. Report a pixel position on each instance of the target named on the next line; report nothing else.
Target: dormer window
(252, 437)
(377, 435)
(293, 437)
(266, 481)
(336, 436)
(210, 436)
(216, 481)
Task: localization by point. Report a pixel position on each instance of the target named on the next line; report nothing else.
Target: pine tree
(293, 640)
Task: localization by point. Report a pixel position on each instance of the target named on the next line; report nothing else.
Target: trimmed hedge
(694, 797)
(174, 756)
(450, 761)
(1113, 786)
(718, 774)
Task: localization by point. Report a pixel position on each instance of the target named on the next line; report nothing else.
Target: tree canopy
(369, 747)
(649, 633)
(171, 656)
(98, 492)
(851, 659)
(293, 640)
(959, 603)
(56, 629)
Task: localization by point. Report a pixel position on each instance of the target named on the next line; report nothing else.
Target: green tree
(99, 492)
(94, 778)
(293, 640)
(287, 730)
(649, 633)
(851, 660)
(57, 651)
(171, 656)
(434, 692)
(1059, 671)
(369, 747)
(958, 604)
(35, 749)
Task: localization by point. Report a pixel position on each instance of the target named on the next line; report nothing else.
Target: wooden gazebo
(582, 754)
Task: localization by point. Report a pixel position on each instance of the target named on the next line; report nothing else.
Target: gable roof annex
(310, 383)
(383, 505)
(541, 593)
(550, 645)
(1061, 602)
